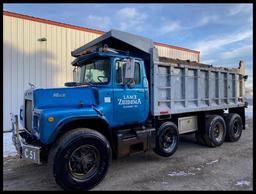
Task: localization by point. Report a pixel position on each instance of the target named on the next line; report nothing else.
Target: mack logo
(129, 99)
(58, 95)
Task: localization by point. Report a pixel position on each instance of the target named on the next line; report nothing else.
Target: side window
(120, 71)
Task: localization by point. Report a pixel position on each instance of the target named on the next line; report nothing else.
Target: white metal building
(39, 51)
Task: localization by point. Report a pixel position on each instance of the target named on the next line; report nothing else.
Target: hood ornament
(31, 85)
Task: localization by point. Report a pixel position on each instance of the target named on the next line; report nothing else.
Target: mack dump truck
(126, 99)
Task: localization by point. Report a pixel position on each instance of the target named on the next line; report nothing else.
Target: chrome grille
(28, 115)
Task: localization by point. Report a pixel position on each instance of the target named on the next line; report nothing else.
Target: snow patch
(242, 183)
(9, 149)
(181, 173)
(212, 162)
(249, 112)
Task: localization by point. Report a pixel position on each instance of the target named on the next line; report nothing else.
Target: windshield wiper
(83, 83)
(72, 84)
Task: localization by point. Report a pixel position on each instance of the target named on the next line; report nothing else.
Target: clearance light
(87, 51)
(50, 119)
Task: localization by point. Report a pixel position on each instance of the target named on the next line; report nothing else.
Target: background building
(39, 51)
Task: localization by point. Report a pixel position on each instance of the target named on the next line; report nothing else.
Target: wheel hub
(218, 132)
(83, 162)
(236, 128)
(167, 140)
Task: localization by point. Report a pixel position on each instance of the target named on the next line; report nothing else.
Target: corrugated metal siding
(177, 54)
(46, 64)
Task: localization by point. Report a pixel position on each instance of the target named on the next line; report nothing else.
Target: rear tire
(215, 131)
(167, 139)
(234, 126)
(80, 159)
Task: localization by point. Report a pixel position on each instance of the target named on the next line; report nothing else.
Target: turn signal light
(50, 119)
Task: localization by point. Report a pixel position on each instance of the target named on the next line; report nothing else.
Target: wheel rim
(218, 132)
(84, 162)
(236, 128)
(168, 141)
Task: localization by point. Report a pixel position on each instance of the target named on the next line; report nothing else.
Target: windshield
(94, 72)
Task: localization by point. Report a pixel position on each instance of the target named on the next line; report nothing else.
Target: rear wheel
(234, 127)
(215, 131)
(80, 159)
(167, 139)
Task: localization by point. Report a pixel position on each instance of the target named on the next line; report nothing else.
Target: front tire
(80, 159)
(167, 139)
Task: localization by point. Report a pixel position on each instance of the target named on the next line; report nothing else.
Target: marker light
(50, 119)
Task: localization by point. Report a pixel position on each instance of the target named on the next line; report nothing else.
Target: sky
(223, 33)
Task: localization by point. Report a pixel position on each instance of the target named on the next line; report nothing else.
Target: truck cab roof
(118, 40)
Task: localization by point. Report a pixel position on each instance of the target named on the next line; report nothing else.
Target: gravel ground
(192, 167)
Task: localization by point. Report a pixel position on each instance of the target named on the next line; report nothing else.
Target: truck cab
(119, 85)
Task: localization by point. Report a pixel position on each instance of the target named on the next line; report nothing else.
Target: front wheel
(167, 139)
(80, 159)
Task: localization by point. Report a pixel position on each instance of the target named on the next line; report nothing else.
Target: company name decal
(131, 100)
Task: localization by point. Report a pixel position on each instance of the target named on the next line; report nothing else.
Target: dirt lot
(192, 167)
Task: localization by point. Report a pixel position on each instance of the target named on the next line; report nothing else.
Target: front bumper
(25, 149)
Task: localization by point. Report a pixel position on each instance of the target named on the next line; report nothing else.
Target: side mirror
(129, 69)
(128, 73)
(75, 74)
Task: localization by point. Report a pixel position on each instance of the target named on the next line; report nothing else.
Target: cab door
(129, 94)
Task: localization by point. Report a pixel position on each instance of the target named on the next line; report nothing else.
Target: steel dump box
(183, 86)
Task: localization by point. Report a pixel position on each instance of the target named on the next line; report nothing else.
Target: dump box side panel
(180, 88)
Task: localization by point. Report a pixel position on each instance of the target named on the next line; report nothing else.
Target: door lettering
(129, 100)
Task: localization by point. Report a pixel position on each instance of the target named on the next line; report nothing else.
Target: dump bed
(182, 86)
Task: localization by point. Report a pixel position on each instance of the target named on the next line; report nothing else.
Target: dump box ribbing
(183, 86)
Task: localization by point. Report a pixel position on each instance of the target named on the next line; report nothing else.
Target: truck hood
(63, 97)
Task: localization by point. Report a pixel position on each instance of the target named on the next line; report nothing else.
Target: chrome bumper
(24, 149)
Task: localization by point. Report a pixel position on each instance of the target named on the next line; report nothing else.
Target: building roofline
(36, 19)
(21, 16)
(176, 47)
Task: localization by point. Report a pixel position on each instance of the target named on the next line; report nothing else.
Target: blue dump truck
(126, 99)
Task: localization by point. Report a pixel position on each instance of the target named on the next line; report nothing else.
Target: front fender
(49, 130)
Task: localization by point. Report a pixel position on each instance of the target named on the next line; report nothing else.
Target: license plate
(31, 153)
